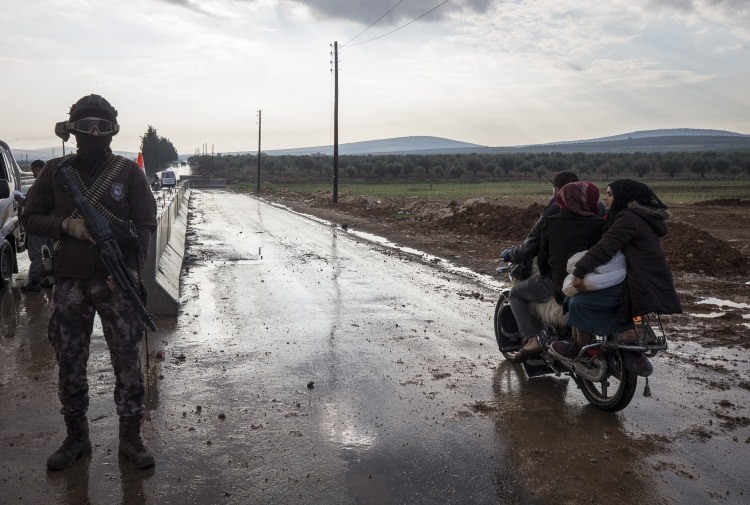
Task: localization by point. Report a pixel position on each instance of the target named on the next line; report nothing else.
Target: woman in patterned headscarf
(575, 228)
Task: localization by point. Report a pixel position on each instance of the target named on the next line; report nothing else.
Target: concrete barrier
(161, 273)
(197, 182)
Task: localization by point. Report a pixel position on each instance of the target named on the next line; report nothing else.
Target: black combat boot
(32, 286)
(131, 444)
(76, 444)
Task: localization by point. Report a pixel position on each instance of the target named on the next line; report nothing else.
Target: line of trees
(476, 166)
(158, 152)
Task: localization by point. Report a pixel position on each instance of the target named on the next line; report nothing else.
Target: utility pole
(257, 189)
(336, 122)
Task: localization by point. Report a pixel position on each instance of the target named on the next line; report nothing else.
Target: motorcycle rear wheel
(615, 391)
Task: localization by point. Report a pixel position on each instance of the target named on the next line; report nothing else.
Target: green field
(672, 191)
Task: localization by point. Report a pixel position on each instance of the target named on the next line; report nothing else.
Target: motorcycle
(602, 370)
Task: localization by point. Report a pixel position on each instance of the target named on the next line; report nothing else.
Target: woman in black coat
(636, 225)
(576, 227)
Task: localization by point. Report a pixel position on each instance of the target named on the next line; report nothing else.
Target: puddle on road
(485, 280)
(723, 303)
(726, 307)
(563, 450)
(346, 435)
(709, 315)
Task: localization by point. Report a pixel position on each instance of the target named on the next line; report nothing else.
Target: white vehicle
(168, 179)
(12, 236)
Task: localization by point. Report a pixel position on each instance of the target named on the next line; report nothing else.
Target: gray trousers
(534, 289)
(34, 245)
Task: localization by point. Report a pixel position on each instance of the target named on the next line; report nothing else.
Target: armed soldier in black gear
(119, 190)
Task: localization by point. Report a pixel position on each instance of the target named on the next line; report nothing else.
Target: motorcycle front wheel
(615, 391)
(511, 343)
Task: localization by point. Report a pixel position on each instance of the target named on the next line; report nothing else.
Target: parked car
(168, 179)
(12, 235)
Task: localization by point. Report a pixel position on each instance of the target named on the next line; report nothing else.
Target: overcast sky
(491, 72)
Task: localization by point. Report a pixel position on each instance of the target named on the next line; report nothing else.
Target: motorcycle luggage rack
(646, 336)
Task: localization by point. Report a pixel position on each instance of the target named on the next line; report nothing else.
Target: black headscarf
(626, 191)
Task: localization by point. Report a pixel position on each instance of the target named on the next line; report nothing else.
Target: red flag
(139, 161)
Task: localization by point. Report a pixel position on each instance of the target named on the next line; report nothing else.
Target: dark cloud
(367, 11)
(193, 5)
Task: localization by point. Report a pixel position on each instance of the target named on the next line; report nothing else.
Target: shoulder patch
(118, 191)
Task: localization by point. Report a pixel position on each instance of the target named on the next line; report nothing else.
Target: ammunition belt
(100, 186)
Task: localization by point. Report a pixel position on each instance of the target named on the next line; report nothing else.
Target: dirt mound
(498, 222)
(690, 249)
(725, 202)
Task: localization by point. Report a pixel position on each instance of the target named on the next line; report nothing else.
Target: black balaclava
(92, 150)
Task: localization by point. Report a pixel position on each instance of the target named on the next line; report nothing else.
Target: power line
(371, 24)
(400, 27)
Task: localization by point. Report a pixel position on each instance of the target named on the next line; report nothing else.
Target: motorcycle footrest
(536, 367)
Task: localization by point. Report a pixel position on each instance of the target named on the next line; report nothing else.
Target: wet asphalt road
(309, 366)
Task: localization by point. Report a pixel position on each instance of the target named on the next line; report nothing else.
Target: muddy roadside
(708, 247)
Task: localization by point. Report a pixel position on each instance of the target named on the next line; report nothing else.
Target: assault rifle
(109, 250)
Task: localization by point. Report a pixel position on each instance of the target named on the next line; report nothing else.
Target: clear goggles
(93, 126)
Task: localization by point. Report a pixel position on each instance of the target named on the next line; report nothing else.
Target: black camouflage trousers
(71, 322)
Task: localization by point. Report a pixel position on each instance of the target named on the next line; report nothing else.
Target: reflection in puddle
(550, 433)
(723, 303)
(710, 315)
(342, 430)
(486, 280)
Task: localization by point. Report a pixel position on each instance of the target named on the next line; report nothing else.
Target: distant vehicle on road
(168, 179)
(12, 235)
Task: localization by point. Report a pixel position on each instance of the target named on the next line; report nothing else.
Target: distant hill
(665, 132)
(664, 140)
(401, 145)
(26, 156)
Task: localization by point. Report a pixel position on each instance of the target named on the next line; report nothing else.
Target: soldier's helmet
(93, 106)
(91, 115)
